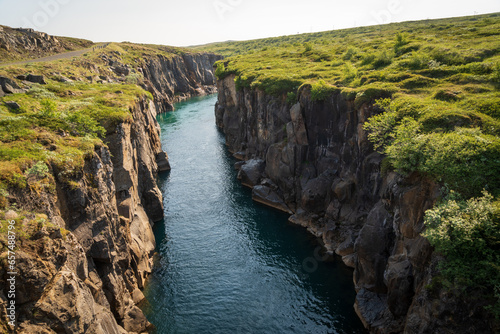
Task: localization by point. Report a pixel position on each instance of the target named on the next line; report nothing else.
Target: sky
(194, 22)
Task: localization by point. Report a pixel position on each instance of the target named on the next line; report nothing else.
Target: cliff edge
(313, 160)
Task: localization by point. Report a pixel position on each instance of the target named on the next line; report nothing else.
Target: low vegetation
(59, 124)
(435, 86)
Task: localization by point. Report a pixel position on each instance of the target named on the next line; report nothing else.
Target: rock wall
(314, 161)
(174, 79)
(83, 271)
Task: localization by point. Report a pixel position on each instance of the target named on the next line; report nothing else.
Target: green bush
(308, 47)
(38, 170)
(401, 40)
(350, 53)
(467, 233)
(220, 71)
(291, 98)
(82, 125)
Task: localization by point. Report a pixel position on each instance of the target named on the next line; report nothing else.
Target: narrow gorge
(342, 181)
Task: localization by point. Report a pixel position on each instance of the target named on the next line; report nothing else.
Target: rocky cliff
(83, 271)
(173, 79)
(313, 160)
(87, 243)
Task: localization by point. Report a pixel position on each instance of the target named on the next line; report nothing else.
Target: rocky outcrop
(319, 165)
(83, 270)
(176, 78)
(28, 43)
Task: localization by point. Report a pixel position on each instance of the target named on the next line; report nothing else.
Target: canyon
(85, 259)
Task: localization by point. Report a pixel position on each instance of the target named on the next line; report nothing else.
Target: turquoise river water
(226, 264)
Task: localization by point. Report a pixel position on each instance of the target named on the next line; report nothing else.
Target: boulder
(251, 172)
(372, 309)
(13, 105)
(9, 86)
(267, 196)
(39, 79)
(162, 162)
(63, 79)
(68, 298)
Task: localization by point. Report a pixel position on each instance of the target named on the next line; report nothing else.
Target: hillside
(403, 121)
(23, 44)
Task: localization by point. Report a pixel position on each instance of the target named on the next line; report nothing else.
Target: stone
(11, 214)
(39, 79)
(399, 280)
(238, 165)
(269, 197)
(162, 162)
(13, 105)
(299, 127)
(350, 260)
(251, 172)
(343, 189)
(7, 81)
(315, 191)
(372, 309)
(63, 79)
(68, 298)
(9, 89)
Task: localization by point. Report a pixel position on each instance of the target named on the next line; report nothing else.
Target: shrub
(133, 78)
(417, 81)
(83, 124)
(467, 233)
(417, 61)
(38, 92)
(291, 98)
(220, 71)
(308, 47)
(38, 170)
(401, 40)
(350, 53)
(49, 108)
(382, 59)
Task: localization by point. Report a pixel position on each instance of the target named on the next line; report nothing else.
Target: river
(226, 264)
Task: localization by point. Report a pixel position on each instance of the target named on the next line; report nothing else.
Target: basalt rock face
(174, 79)
(319, 165)
(83, 273)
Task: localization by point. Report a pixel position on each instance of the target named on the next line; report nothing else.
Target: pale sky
(192, 22)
